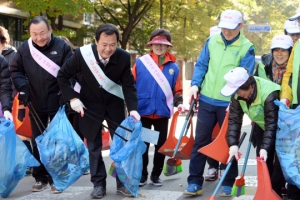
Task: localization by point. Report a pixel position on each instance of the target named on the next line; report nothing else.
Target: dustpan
(186, 144)
(218, 149)
(215, 132)
(264, 188)
(22, 128)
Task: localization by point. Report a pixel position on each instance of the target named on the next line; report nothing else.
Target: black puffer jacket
(271, 116)
(267, 60)
(9, 52)
(5, 85)
(44, 89)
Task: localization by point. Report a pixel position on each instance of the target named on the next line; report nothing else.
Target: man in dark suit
(106, 82)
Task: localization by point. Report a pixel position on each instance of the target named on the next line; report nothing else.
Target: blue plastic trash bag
(62, 152)
(288, 143)
(128, 155)
(14, 158)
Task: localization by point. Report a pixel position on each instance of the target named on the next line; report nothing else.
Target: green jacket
(221, 61)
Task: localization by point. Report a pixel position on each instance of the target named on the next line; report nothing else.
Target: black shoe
(98, 192)
(155, 181)
(123, 191)
(143, 181)
(39, 186)
(28, 171)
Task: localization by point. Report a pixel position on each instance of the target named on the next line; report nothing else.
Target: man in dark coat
(106, 82)
(36, 83)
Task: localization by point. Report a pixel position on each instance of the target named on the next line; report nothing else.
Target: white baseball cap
(214, 30)
(234, 79)
(230, 19)
(295, 16)
(282, 41)
(291, 27)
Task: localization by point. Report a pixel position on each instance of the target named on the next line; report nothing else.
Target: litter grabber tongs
(173, 165)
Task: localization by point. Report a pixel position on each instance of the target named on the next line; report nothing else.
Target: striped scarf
(278, 71)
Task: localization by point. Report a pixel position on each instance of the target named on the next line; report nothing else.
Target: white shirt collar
(102, 60)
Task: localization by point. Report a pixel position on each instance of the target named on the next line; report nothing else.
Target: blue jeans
(208, 116)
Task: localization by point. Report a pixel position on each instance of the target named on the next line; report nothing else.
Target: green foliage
(272, 12)
(130, 16)
(54, 8)
(187, 20)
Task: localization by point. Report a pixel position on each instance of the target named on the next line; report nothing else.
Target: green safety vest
(222, 60)
(261, 71)
(256, 110)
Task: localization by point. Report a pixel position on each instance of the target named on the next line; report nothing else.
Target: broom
(174, 166)
(226, 170)
(238, 188)
(112, 170)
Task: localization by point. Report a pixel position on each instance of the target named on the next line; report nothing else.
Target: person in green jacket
(255, 97)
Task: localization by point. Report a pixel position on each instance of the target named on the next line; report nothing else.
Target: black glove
(24, 95)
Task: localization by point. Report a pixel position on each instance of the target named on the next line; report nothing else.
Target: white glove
(135, 114)
(8, 115)
(181, 108)
(227, 109)
(193, 93)
(233, 151)
(263, 154)
(286, 102)
(78, 106)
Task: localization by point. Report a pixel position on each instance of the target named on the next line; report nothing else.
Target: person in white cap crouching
(255, 97)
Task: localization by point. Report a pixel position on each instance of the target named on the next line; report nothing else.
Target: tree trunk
(60, 24)
(52, 22)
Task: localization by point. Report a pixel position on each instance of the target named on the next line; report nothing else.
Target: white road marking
(250, 161)
(69, 193)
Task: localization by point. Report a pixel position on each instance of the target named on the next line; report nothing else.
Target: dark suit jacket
(93, 96)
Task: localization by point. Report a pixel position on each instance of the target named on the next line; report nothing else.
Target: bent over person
(33, 70)
(255, 97)
(106, 82)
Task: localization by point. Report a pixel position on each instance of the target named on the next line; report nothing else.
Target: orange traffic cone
(218, 149)
(264, 188)
(22, 128)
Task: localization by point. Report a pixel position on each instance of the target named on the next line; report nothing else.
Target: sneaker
(123, 191)
(155, 181)
(98, 192)
(193, 189)
(86, 172)
(143, 181)
(54, 190)
(226, 191)
(211, 175)
(39, 186)
(221, 173)
(28, 171)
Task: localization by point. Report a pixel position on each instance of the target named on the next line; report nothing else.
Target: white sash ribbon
(102, 79)
(160, 79)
